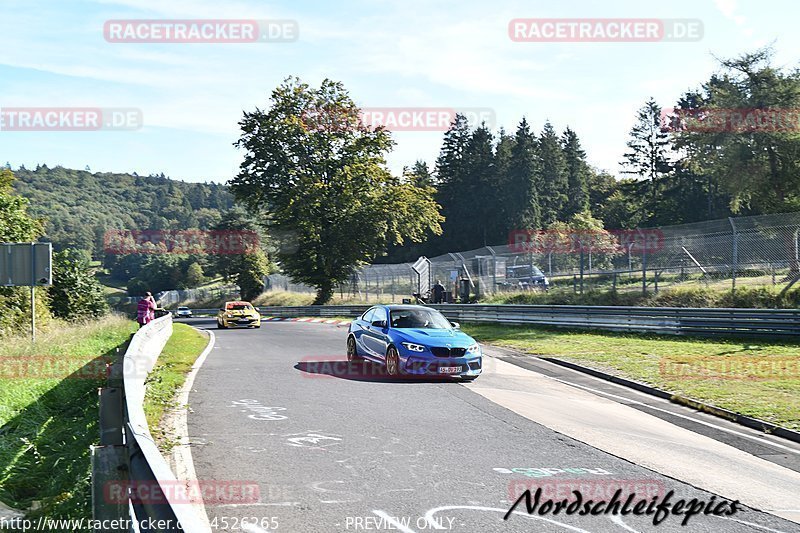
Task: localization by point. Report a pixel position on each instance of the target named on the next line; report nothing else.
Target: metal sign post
(27, 264)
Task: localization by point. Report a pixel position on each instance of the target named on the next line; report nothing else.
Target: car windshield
(240, 307)
(183, 309)
(419, 318)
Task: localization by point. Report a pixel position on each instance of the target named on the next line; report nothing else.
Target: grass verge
(744, 297)
(754, 378)
(49, 415)
(168, 376)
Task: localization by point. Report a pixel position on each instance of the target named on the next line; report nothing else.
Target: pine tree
(450, 177)
(524, 181)
(481, 198)
(504, 201)
(577, 176)
(648, 145)
(554, 175)
(419, 175)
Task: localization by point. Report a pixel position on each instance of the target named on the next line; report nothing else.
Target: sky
(388, 54)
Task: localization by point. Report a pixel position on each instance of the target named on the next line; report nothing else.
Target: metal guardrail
(661, 320)
(127, 456)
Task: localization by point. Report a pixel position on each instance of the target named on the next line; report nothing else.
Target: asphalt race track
(334, 448)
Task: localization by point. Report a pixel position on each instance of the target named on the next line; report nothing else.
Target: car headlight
(229, 315)
(475, 349)
(413, 347)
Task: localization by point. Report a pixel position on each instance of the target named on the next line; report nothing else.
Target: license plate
(449, 369)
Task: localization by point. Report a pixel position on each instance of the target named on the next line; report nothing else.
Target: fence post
(630, 261)
(735, 265)
(581, 271)
(644, 271)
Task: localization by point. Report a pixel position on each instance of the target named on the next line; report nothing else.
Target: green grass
(288, 298)
(743, 297)
(48, 424)
(168, 376)
(719, 372)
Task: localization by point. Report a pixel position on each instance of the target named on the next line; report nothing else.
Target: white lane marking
(252, 528)
(618, 520)
(391, 521)
(259, 504)
(182, 455)
(435, 525)
(709, 424)
(765, 528)
(316, 487)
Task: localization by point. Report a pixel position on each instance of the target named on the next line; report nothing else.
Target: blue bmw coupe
(413, 340)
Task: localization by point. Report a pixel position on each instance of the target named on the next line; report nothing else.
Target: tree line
(321, 195)
(686, 163)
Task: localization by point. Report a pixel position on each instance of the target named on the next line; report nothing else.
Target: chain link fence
(171, 298)
(756, 251)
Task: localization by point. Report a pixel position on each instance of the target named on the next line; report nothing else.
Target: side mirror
(455, 325)
(379, 324)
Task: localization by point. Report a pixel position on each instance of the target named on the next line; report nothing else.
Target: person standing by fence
(145, 309)
(437, 292)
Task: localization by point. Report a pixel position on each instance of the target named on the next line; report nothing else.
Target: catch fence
(755, 251)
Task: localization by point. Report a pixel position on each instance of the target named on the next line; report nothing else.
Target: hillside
(80, 206)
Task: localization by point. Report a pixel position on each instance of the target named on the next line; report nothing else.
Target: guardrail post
(109, 480)
(110, 460)
(111, 417)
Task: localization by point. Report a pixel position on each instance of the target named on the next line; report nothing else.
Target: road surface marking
(252, 528)
(765, 528)
(618, 520)
(435, 525)
(389, 520)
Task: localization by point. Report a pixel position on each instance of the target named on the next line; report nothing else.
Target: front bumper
(241, 321)
(426, 364)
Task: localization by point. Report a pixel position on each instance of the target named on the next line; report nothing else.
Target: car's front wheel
(392, 362)
(352, 352)
(220, 325)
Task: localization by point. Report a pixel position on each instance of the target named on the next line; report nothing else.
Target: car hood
(235, 312)
(435, 337)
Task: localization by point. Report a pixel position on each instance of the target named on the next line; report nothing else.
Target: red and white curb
(311, 320)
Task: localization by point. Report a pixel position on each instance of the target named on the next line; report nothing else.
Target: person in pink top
(145, 310)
